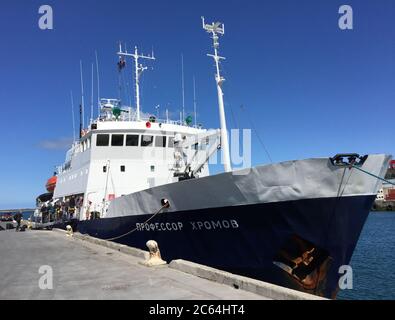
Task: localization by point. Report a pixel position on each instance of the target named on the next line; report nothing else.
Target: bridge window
(117, 140)
(132, 140)
(122, 168)
(171, 142)
(147, 141)
(160, 141)
(102, 140)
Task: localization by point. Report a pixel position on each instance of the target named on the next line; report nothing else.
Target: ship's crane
(187, 166)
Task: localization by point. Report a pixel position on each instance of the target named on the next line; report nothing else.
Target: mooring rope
(131, 231)
(372, 175)
(340, 194)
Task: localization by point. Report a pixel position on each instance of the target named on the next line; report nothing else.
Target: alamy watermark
(346, 280)
(346, 21)
(46, 280)
(203, 149)
(240, 151)
(45, 22)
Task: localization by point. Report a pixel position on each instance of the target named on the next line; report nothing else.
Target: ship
(132, 177)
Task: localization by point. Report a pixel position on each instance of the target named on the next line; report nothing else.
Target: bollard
(69, 230)
(155, 258)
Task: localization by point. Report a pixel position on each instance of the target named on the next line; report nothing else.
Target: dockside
(85, 268)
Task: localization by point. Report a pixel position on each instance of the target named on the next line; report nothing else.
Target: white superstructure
(125, 151)
(121, 157)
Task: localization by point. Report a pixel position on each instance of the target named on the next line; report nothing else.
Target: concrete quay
(86, 268)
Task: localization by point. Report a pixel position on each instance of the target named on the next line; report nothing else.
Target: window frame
(102, 135)
(163, 145)
(132, 135)
(148, 145)
(170, 141)
(118, 135)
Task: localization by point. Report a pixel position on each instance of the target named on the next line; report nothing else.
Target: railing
(129, 114)
(147, 119)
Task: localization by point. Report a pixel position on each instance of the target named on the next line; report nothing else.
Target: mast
(98, 84)
(157, 111)
(72, 114)
(183, 88)
(92, 97)
(194, 100)
(216, 29)
(138, 70)
(81, 119)
(82, 97)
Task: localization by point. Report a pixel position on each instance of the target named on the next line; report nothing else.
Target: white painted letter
(346, 20)
(46, 21)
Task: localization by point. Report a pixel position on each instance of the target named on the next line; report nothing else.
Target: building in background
(385, 200)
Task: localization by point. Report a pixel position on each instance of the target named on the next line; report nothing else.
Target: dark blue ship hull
(297, 244)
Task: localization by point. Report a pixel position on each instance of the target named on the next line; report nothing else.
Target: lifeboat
(51, 184)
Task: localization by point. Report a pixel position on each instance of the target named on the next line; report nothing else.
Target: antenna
(139, 69)
(194, 100)
(157, 111)
(72, 114)
(92, 97)
(216, 29)
(98, 84)
(82, 96)
(81, 119)
(183, 88)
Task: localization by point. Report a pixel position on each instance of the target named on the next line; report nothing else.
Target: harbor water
(26, 214)
(373, 276)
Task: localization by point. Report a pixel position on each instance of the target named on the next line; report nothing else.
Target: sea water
(25, 214)
(373, 260)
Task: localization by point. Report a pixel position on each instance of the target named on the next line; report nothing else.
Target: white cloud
(57, 144)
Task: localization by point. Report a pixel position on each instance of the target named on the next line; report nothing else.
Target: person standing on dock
(71, 207)
(88, 211)
(18, 218)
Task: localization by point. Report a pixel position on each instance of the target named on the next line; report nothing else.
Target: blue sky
(311, 89)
